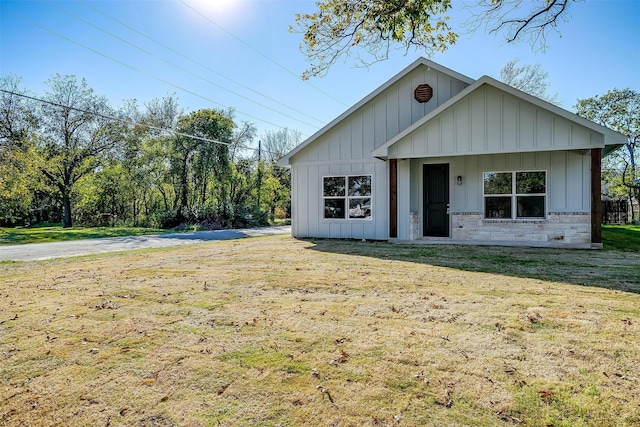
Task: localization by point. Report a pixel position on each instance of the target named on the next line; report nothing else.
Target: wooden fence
(615, 211)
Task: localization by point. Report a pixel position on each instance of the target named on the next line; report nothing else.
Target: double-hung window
(347, 197)
(515, 195)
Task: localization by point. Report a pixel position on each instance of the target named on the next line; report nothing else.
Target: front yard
(276, 331)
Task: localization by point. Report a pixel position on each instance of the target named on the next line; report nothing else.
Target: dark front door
(436, 200)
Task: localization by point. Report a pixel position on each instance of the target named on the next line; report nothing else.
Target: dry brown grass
(276, 331)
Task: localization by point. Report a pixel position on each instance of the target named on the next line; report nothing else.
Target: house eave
(286, 160)
(611, 138)
(580, 150)
(610, 148)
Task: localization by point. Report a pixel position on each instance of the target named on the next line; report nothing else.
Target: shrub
(165, 219)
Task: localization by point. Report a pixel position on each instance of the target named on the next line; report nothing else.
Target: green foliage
(102, 196)
(17, 182)
(613, 187)
(201, 156)
(18, 166)
(211, 218)
(74, 135)
(165, 218)
(67, 157)
(367, 30)
(341, 25)
(619, 110)
(250, 217)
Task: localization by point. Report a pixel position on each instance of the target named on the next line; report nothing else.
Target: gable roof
(612, 139)
(285, 160)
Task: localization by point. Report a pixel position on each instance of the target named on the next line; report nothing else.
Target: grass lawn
(55, 233)
(621, 237)
(276, 331)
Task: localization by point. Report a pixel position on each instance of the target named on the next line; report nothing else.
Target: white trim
(368, 161)
(286, 159)
(434, 161)
(610, 137)
(346, 198)
(514, 197)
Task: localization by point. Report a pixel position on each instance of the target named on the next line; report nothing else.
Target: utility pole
(259, 171)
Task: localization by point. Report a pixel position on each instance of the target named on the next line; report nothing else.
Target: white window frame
(514, 197)
(346, 197)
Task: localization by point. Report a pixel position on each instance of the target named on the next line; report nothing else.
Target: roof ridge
(284, 161)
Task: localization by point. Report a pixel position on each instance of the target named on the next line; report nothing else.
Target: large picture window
(519, 195)
(347, 197)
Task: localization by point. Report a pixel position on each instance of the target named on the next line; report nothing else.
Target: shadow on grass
(610, 269)
(56, 233)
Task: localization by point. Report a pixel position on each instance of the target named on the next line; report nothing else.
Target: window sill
(333, 220)
(514, 221)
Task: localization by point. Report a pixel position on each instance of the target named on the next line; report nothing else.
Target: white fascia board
(285, 160)
(610, 137)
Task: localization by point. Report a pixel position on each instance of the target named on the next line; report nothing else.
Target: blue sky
(254, 64)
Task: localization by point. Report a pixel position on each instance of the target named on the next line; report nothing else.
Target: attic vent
(423, 93)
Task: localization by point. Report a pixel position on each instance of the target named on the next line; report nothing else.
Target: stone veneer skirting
(559, 227)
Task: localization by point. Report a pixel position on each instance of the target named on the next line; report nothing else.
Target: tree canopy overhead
(369, 29)
(339, 26)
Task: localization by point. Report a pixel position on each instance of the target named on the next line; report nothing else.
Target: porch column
(393, 198)
(596, 195)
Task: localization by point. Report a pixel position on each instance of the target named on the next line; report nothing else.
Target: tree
(275, 182)
(17, 156)
(277, 190)
(530, 79)
(528, 21)
(339, 26)
(16, 113)
(276, 144)
(240, 139)
(75, 133)
(369, 29)
(619, 110)
(201, 151)
(147, 156)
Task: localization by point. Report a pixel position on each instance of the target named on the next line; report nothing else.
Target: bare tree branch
(368, 29)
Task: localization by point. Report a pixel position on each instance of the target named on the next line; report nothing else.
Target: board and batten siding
(568, 183)
(489, 120)
(345, 149)
(307, 208)
(568, 173)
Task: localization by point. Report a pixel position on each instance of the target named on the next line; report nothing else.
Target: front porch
(556, 231)
(450, 206)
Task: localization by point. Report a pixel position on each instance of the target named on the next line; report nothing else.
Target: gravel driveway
(38, 251)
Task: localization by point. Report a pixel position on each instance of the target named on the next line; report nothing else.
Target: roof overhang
(286, 159)
(612, 140)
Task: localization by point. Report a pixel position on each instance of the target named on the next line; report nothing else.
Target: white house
(433, 155)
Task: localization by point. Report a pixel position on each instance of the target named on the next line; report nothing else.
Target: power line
(262, 54)
(196, 62)
(133, 123)
(137, 69)
(105, 116)
(177, 66)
